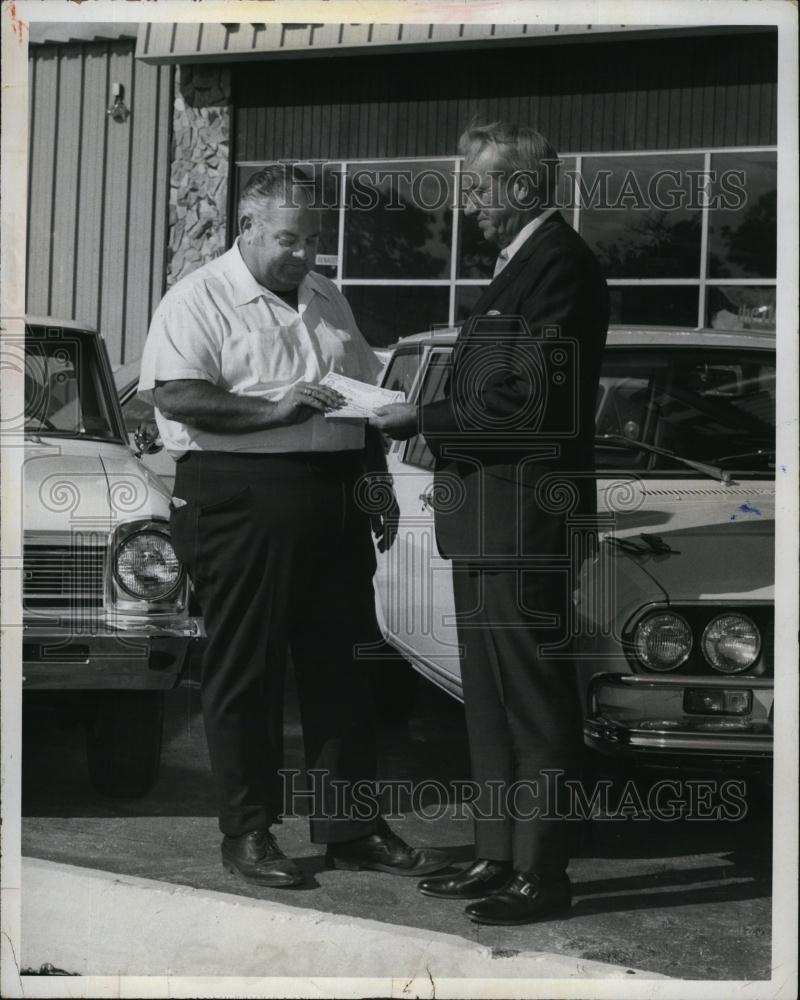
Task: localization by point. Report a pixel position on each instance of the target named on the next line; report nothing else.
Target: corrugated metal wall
(669, 93)
(97, 190)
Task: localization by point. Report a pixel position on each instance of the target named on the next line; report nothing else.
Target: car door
(414, 584)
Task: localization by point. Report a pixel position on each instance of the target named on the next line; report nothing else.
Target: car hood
(721, 537)
(87, 485)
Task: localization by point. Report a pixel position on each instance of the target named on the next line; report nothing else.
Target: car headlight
(146, 566)
(731, 643)
(663, 641)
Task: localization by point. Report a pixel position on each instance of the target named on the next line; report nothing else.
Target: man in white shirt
(265, 519)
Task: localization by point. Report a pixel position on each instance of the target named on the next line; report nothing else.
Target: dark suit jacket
(513, 438)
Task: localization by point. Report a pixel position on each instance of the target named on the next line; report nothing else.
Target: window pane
(642, 214)
(740, 308)
(385, 313)
(476, 256)
(402, 370)
(434, 383)
(654, 305)
(398, 220)
(329, 180)
(326, 176)
(65, 393)
(742, 238)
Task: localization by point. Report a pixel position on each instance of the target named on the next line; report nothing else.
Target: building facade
(667, 140)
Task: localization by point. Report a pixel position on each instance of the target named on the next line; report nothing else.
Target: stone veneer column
(199, 176)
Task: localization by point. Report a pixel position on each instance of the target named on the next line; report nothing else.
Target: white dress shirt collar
(528, 230)
(246, 289)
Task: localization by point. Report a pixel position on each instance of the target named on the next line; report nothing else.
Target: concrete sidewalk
(92, 922)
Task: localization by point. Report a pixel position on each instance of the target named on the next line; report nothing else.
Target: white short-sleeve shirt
(220, 325)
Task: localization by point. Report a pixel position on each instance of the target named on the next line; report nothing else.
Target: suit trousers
(281, 557)
(523, 714)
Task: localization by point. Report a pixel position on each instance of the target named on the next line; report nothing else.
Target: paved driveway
(684, 898)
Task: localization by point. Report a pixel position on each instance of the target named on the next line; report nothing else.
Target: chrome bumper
(85, 655)
(641, 716)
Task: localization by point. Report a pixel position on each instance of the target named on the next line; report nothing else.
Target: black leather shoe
(257, 857)
(384, 851)
(475, 882)
(524, 900)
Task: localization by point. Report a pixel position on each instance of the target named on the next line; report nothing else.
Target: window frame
(702, 282)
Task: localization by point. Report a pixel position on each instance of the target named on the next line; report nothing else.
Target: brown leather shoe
(524, 900)
(257, 857)
(384, 851)
(476, 882)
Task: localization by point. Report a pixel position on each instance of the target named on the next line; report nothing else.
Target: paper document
(362, 398)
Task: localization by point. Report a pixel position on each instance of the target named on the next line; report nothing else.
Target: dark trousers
(523, 715)
(280, 556)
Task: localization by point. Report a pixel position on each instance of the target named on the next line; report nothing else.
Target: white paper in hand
(362, 398)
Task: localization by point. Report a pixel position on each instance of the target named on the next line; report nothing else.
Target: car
(105, 600)
(672, 616)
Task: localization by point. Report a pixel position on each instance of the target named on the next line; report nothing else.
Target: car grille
(63, 576)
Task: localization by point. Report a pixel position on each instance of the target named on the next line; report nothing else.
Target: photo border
(15, 20)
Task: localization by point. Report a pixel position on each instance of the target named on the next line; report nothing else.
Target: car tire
(394, 685)
(124, 732)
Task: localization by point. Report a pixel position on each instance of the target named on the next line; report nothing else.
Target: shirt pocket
(274, 355)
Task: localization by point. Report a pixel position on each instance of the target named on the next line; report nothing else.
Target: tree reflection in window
(399, 220)
(742, 240)
(656, 246)
(641, 215)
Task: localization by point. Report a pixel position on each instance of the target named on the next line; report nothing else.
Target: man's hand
(303, 399)
(397, 420)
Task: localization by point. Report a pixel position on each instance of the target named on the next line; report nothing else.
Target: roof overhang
(70, 32)
(164, 42)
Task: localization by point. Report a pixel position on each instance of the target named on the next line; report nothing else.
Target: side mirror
(146, 440)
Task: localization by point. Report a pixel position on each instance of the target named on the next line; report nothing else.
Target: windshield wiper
(758, 453)
(653, 544)
(709, 470)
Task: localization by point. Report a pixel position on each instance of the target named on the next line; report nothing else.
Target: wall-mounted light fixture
(117, 109)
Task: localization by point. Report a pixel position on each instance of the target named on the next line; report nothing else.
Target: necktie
(500, 263)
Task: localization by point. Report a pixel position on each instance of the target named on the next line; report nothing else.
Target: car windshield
(709, 406)
(65, 392)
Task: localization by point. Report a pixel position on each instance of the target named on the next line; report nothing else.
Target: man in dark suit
(513, 440)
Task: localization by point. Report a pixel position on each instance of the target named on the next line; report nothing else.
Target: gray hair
(277, 182)
(519, 150)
